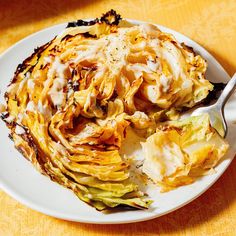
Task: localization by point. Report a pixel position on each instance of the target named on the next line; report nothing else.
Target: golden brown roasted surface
(69, 103)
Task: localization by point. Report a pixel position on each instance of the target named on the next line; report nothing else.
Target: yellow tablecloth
(212, 23)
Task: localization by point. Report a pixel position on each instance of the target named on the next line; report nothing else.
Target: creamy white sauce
(110, 54)
(161, 160)
(44, 110)
(19, 130)
(187, 83)
(154, 66)
(173, 58)
(100, 72)
(47, 59)
(151, 92)
(87, 54)
(58, 98)
(168, 160)
(30, 84)
(59, 148)
(141, 45)
(41, 139)
(89, 195)
(86, 132)
(12, 88)
(56, 93)
(165, 82)
(116, 52)
(154, 43)
(9, 119)
(138, 69)
(57, 69)
(141, 116)
(20, 117)
(70, 92)
(31, 106)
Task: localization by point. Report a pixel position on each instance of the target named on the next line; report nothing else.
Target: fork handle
(227, 92)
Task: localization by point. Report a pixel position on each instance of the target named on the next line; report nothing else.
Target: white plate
(20, 180)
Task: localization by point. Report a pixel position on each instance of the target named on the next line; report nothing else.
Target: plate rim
(14, 194)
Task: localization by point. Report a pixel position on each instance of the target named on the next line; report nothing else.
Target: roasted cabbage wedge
(70, 102)
(182, 150)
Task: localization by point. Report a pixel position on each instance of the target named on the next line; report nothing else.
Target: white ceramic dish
(20, 180)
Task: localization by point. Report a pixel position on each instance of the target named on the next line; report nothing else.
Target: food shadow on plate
(122, 208)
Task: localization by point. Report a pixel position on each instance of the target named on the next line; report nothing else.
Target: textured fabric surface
(212, 24)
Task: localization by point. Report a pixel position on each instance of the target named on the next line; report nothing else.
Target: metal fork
(216, 111)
